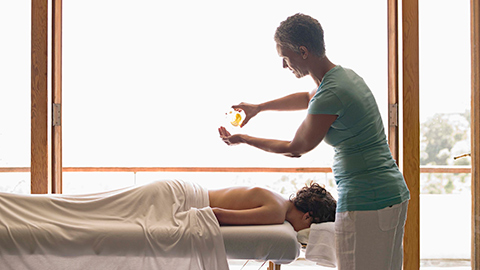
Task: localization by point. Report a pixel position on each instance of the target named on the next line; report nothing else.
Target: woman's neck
(319, 68)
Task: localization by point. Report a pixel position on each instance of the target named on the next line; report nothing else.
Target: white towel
(321, 244)
(302, 236)
(162, 225)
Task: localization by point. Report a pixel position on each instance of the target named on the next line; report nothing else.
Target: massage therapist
(373, 196)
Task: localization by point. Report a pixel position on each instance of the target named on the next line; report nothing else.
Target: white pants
(371, 240)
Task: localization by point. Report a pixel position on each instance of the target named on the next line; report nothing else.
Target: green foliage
(440, 134)
(443, 137)
(445, 183)
(439, 140)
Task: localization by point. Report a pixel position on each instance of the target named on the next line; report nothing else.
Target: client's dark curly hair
(317, 201)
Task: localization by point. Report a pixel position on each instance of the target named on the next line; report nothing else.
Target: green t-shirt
(367, 177)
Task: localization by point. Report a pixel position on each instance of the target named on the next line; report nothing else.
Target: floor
(306, 265)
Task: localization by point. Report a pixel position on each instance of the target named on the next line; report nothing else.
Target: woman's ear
(304, 52)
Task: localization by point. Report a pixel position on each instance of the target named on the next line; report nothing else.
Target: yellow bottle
(235, 117)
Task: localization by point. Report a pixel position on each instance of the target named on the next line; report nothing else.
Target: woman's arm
(293, 102)
(310, 133)
(297, 101)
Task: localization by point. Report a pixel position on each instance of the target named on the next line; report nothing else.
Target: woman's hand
(229, 138)
(250, 111)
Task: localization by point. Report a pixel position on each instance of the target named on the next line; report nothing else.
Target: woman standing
(373, 196)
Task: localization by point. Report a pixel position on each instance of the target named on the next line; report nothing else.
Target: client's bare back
(249, 205)
(238, 198)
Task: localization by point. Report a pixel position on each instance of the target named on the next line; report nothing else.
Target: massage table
(161, 225)
(154, 226)
(277, 244)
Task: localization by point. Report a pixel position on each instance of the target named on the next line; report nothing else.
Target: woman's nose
(284, 63)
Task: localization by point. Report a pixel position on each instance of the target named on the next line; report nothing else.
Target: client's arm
(257, 216)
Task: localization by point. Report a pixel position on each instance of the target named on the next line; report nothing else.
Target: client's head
(316, 203)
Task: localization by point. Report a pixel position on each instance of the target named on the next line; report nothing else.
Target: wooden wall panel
(475, 128)
(411, 130)
(39, 97)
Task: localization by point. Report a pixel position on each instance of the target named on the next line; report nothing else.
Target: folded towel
(321, 244)
(302, 236)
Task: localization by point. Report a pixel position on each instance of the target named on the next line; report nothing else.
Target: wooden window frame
(46, 169)
(410, 164)
(411, 144)
(56, 165)
(40, 171)
(475, 129)
(46, 161)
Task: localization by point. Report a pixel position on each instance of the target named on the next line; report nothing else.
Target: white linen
(321, 244)
(163, 225)
(302, 236)
(276, 243)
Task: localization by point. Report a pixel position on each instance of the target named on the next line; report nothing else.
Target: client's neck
(292, 212)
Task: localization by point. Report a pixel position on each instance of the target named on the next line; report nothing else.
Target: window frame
(46, 167)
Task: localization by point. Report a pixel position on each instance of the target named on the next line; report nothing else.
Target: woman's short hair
(301, 30)
(317, 201)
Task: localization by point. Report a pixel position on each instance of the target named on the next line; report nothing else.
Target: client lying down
(259, 206)
(167, 224)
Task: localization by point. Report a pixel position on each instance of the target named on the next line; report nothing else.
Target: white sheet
(144, 227)
(277, 243)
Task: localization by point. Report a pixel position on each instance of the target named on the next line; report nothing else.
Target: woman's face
(292, 61)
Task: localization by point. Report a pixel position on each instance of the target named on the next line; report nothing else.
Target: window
(148, 84)
(15, 95)
(445, 200)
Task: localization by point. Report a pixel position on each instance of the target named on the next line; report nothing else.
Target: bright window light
(147, 83)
